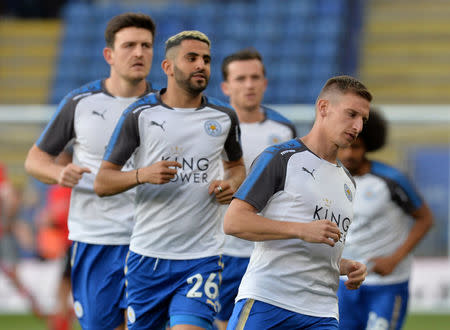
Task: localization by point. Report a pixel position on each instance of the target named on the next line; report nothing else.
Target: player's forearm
(113, 181)
(42, 166)
(250, 226)
(235, 173)
(422, 224)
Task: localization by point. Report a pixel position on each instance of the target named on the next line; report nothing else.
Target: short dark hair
(176, 40)
(125, 20)
(242, 55)
(346, 84)
(374, 133)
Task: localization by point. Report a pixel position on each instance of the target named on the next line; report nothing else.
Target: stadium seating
(302, 41)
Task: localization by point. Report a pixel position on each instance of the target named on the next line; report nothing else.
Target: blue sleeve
(265, 178)
(403, 192)
(275, 116)
(60, 129)
(232, 146)
(268, 174)
(125, 138)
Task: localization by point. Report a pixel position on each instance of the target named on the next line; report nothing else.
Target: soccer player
(296, 203)
(99, 228)
(390, 219)
(244, 81)
(181, 139)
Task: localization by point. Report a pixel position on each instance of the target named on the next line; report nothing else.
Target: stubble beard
(187, 84)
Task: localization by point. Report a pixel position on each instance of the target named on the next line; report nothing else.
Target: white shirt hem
(176, 256)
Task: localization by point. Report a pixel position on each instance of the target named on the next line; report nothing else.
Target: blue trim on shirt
(389, 172)
(260, 164)
(93, 86)
(217, 102)
(276, 116)
(149, 99)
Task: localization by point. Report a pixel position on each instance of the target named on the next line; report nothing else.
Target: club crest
(348, 192)
(213, 128)
(274, 139)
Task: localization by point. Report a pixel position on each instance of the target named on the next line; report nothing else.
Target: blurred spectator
(52, 243)
(52, 234)
(9, 250)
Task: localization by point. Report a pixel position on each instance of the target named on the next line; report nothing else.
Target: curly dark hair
(374, 133)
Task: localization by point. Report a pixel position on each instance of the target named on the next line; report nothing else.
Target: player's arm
(48, 169)
(233, 164)
(243, 221)
(422, 224)
(43, 160)
(111, 180)
(234, 176)
(355, 271)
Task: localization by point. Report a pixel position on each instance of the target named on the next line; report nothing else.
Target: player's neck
(177, 97)
(122, 88)
(321, 146)
(254, 115)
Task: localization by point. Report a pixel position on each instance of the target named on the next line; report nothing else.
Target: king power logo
(193, 169)
(325, 211)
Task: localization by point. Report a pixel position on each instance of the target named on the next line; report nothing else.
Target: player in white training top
(296, 203)
(99, 228)
(181, 140)
(390, 220)
(244, 81)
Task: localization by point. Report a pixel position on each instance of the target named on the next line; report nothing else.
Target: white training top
(383, 203)
(87, 116)
(177, 220)
(255, 137)
(288, 182)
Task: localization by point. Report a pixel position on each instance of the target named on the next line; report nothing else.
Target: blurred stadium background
(400, 49)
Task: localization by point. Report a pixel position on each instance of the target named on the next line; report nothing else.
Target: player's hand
(222, 190)
(159, 173)
(383, 265)
(355, 271)
(320, 231)
(71, 174)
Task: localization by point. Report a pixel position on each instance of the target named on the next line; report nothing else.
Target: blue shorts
(98, 284)
(182, 291)
(233, 271)
(373, 306)
(253, 314)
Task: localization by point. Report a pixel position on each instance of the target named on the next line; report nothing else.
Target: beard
(185, 81)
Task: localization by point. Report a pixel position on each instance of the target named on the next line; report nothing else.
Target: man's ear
(225, 88)
(108, 55)
(322, 107)
(167, 67)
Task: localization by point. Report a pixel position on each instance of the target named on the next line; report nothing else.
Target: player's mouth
(198, 75)
(138, 65)
(350, 136)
